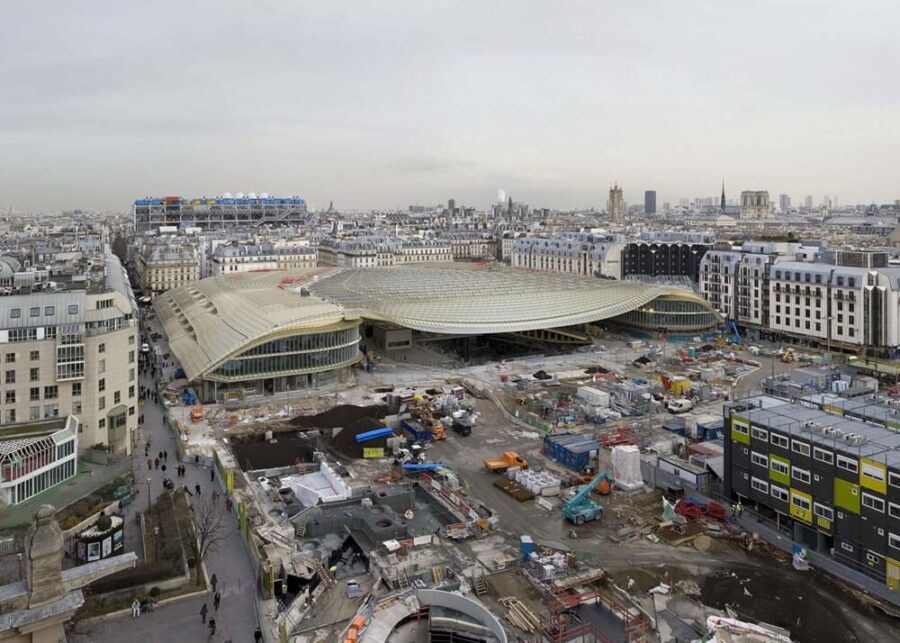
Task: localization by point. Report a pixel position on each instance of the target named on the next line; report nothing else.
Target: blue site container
(674, 427)
(712, 430)
(416, 433)
(571, 450)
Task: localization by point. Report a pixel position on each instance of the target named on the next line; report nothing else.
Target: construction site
(572, 497)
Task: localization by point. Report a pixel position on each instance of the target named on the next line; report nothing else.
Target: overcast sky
(388, 103)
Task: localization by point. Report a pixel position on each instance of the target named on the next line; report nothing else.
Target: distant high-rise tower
(784, 202)
(650, 202)
(451, 206)
(616, 204)
(722, 204)
(808, 202)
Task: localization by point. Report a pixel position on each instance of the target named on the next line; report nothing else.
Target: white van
(682, 405)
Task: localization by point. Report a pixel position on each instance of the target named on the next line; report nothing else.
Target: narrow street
(180, 621)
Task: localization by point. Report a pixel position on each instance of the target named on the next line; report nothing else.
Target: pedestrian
(216, 600)
(203, 611)
(149, 464)
(197, 489)
(135, 609)
(212, 475)
(163, 467)
(166, 456)
(156, 463)
(257, 635)
(160, 455)
(146, 451)
(214, 581)
(188, 491)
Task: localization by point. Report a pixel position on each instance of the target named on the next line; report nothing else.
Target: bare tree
(211, 527)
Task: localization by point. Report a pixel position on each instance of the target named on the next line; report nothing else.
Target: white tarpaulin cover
(626, 461)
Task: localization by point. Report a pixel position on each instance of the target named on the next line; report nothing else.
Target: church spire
(723, 196)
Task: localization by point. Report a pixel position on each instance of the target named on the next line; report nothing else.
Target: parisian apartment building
(68, 346)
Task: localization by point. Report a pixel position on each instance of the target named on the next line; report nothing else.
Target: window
(34, 355)
(825, 512)
(894, 479)
(873, 502)
(101, 404)
(847, 547)
(131, 339)
(10, 415)
(102, 423)
(101, 348)
(76, 389)
(10, 358)
(800, 502)
(130, 410)
(779, 467)
(130, 374)
(10, 377)
(76, 408)
(759, 434)
(893, 540)
(51, 392)
(872, 472)
(15, 313)
(117, 397)
(800, 447)
(34, 413)
(101, 366)
(799, 474)
(131, 391)
(101, 384)
(34, 311)
(759, 485)
(131, 357)
(779, 493)
(778, 440)
(873, 558)
(10, 397)
(847, 464)
(51, 410)
(759, 458)
(740, 428)
(34, 375)
(34, 393)
(49, 311)
(73, 309)
(893, 510)
(823, 456)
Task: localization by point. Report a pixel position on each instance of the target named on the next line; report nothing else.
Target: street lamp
(156, 538)
(149, 480)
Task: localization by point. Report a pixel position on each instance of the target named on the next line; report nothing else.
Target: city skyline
(390, 105)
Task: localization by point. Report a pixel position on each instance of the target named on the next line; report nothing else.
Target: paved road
(180, 621)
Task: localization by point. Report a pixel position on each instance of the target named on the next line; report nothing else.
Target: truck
(581, 509)
(509, 460)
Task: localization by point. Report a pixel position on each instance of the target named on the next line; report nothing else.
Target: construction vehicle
(789, 356)
(509, 460)
(581, 509)
(196, 413)
(736, 336)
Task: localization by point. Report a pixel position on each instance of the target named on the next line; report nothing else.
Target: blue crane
(581, 509)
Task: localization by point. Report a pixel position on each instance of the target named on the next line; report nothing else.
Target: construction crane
(581, 509)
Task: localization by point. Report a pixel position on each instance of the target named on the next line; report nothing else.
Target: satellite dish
(227, 195)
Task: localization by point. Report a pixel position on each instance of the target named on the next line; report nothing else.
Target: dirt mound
(253, 452)
(596, 370)
(346, 415)
(783, 598)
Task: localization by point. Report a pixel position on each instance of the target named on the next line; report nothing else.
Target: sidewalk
(236, 618)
